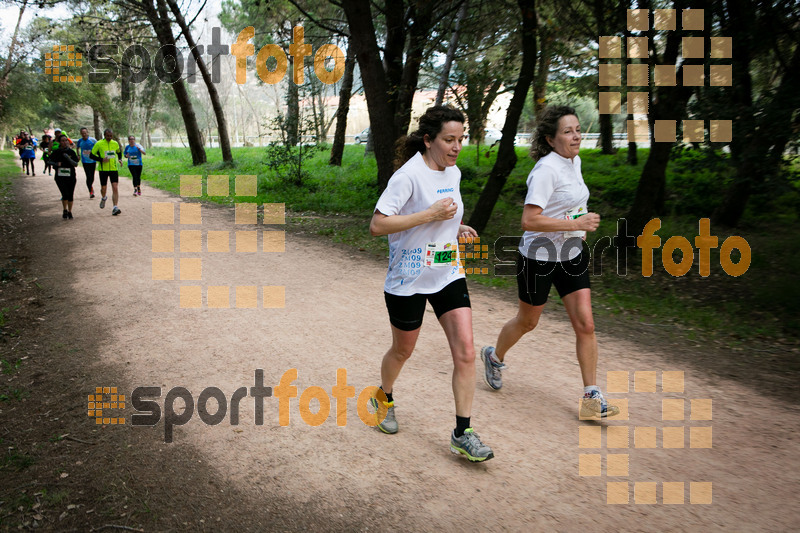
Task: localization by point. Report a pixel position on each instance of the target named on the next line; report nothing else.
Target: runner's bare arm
(534, 220)
(381, 224)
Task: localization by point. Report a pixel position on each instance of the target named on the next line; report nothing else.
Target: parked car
(362, 137)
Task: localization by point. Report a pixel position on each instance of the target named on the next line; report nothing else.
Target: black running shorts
(108, 175)
(534, 278)
(406, 312)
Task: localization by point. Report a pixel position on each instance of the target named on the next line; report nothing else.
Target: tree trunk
(344, 107)
(9, 60)
(633, 156)
(159, 18)
(667, 103)
(376, 86)
(506, 156)
(451, 50)
(540, 81)
(222, 124)
(606, 135)
(292, 109)
(96, 123)
(759, 135)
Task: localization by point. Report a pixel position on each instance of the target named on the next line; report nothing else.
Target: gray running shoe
(389, 424)
(470, 444)
(103, 202)
(116, 211)
(492, 370)
(594, 405)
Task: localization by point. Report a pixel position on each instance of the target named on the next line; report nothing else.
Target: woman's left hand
(466, 232)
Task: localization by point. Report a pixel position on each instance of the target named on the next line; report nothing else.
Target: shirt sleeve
(396, 195)
(541, 184)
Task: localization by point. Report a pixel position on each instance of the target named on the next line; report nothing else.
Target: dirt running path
(353, 477)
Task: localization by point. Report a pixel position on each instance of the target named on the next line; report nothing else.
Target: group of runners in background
(61, 157)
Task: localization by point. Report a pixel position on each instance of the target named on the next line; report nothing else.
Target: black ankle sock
(388, 396)
(462, 424)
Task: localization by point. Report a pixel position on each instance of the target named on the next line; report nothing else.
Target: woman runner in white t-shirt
(555, 220)
(420, 211)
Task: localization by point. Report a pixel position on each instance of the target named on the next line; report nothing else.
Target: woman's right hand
(587, 222)
(444, 209)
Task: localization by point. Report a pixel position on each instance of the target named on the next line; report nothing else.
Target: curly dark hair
(430, 124)
(548, 124)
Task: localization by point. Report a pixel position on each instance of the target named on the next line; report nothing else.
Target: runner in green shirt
(107, 152)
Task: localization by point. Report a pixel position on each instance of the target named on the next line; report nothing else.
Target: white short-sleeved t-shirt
(414, 188)
(556, 185)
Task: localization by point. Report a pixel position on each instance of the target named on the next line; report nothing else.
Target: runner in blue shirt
(27, 152)
(134, 152)
(85, 145)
